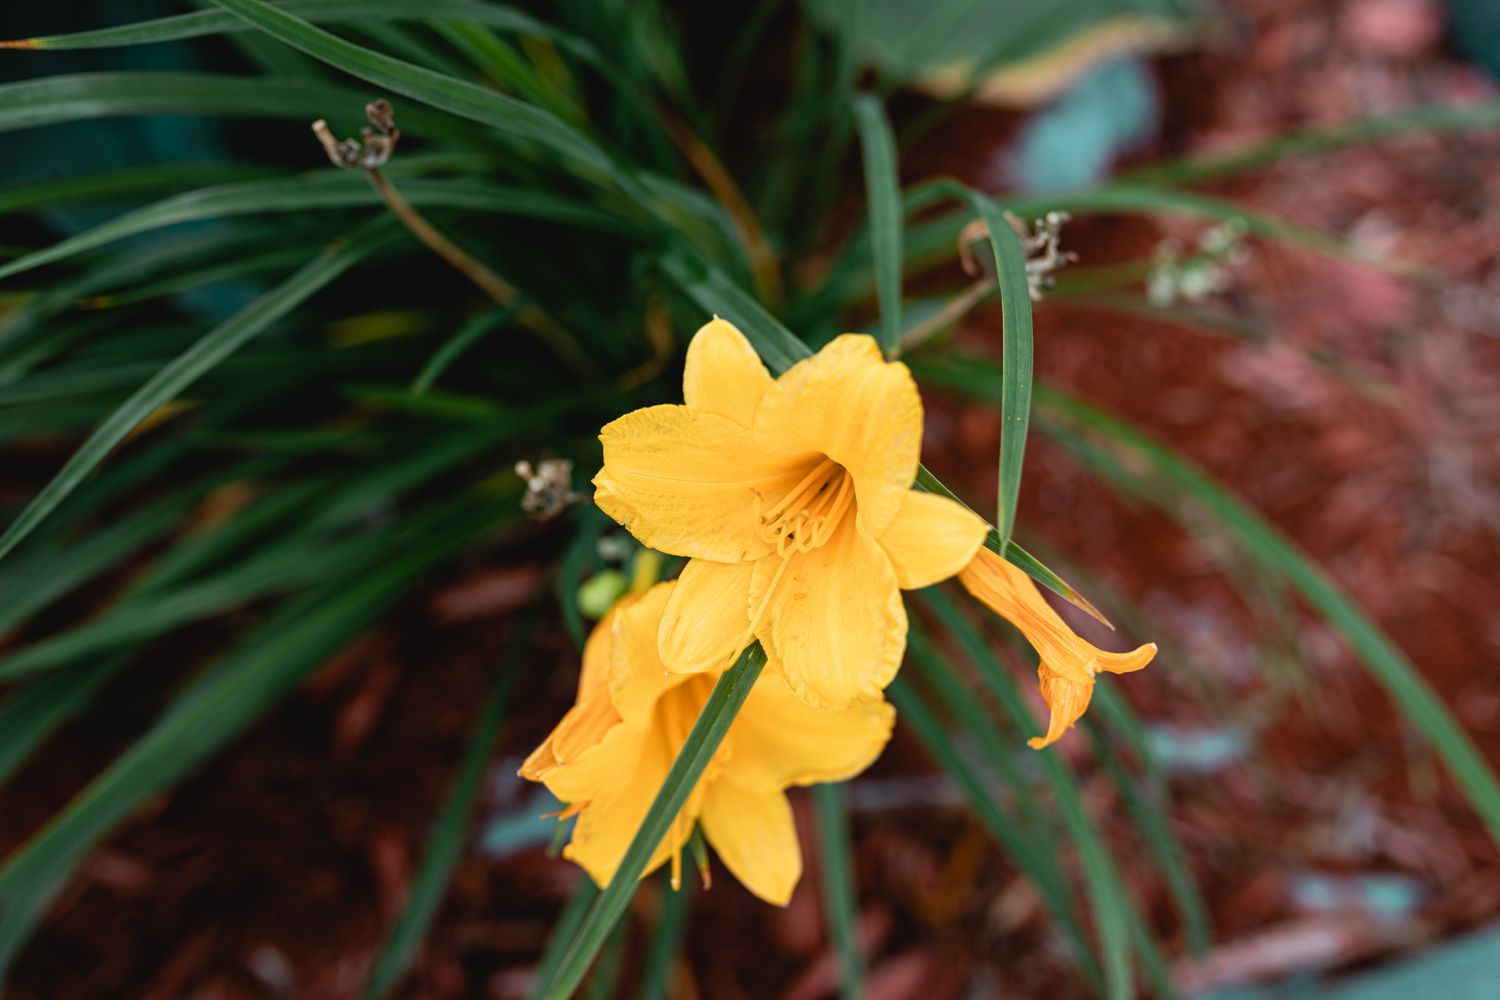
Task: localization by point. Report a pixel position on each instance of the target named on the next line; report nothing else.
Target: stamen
(820, 503)
(841, 504)
(807, 514)
(796, 491)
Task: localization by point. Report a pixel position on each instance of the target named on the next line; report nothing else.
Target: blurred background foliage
(248, 418)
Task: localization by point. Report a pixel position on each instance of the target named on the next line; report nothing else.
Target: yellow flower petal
(723, 374)
(1068, 661)
(637, 677)
(614, 783)
(834, 623)
(776, 740)
(753, 833)
(1067, 699)
(705, 623)
(849, 403)
(931, 539)
(781, 740)
(684, 482)
(591, 717)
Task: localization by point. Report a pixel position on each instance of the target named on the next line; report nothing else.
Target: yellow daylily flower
(793, 498)
(1068, 662)
(611, 752)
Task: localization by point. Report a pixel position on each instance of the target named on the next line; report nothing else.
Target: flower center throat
(807, 515)
(804, 519)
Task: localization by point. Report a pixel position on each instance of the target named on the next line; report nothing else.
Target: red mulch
(275, 870)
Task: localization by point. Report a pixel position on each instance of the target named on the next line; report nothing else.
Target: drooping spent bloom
(793, 498)
(1068, 662)
(610, 754)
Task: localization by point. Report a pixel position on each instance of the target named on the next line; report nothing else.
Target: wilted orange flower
(1068, 662)
(793, 498)
(610, 755)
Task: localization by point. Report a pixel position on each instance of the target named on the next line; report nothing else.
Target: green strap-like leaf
(446, 840)
(504, 65)
(183, 370)
(606, 971)
(704, 738)
(125, 184)
(171, 600)
(1005, 750)
(564, 929)
(1110, 905)
(144, 618)
(219, 704)
(1153, 819)
(32, 714)
(329, 190)
(1033, 846)
(883, 191)
(464, 338)
(1015, 341)
(212, 22)
(1321, 139)
(1015, 330)
(81, 96)
(1394, 671)
(24, 331)
(460, 97)
(30, 584)
(777, 346)
(837, 867)
(666, 942)
(1401, 679)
